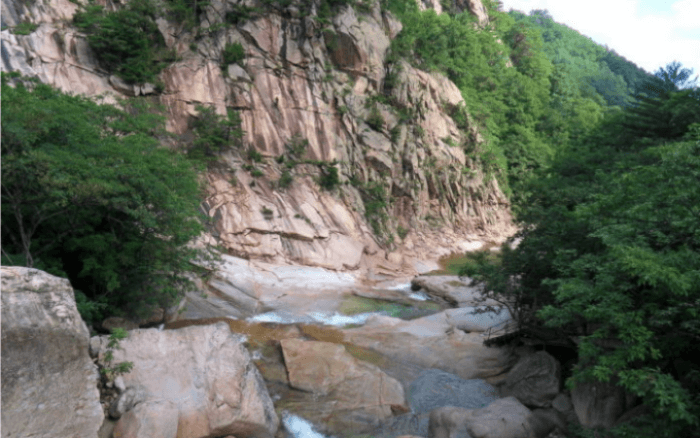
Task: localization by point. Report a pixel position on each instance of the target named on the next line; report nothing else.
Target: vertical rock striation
(324, 82)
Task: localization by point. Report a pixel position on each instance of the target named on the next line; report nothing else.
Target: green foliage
(87, 193)
(296, 147)
(24, 28)
(186, 11)
(214, 134)
(127, 42)
(92, 311)
(376, 201)
(329, 178)
(233, 53)
(253, 155)
(508, 103)
(109, 370)
(375, 119)
(267, 213)
(590, 70)
(285, 180)
(611, 254)
(402, 232)
(241, 14)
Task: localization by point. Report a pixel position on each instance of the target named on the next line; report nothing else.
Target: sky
(650, 33)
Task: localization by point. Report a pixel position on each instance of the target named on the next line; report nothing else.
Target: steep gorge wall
(321, 83)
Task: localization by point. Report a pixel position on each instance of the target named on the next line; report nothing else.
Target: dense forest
(600, 159)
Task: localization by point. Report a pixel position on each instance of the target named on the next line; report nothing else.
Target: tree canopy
(610, 255)
(88, 193)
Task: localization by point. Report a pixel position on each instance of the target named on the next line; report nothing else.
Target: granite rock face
(49, 382)
(199, 378)
(301, 80)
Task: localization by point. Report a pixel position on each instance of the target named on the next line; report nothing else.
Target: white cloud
(650, 40)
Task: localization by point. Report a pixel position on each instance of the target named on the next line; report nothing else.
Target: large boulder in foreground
(199, 378)
(357, 389)
(49, 382)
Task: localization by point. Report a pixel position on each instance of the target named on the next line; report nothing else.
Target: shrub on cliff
(87, 193)
(127, 42)
(214, 133)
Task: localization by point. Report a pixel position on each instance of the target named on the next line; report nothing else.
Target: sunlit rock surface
(49, 382)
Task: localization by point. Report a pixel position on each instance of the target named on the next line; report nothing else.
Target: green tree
(88, 193)
(127, 41)
(610, 255)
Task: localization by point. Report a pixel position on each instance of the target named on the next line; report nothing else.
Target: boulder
(453, 289)
(430, 342)
(598, 404)
(357, 388)
(504, 418)
(435, 388)
(534, 380)
(126, 401)
(49, 382)
(545, 421)
(407, 424)
(478, 319)
(199, 378)
(448, 422)
(151, 419)
(562, 404)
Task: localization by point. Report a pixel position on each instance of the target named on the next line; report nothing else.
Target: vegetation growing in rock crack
(214, 134)
(127, 42)
(233, 53)
(112, 370)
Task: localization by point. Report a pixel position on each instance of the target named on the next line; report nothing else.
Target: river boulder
(358, 390)
(504, 418)
(49, 382)
(200, 378)
(534, 380)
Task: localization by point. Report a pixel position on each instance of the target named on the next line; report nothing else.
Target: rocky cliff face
(388, 126)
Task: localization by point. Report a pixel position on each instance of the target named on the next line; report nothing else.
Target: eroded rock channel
(402, 365)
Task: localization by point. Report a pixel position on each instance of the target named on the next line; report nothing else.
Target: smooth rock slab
(327, 369)
(200, 378)
(430, 342)
(49, 382)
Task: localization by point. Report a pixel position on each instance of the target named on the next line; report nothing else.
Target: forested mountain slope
(582, 66)
(609, 256)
